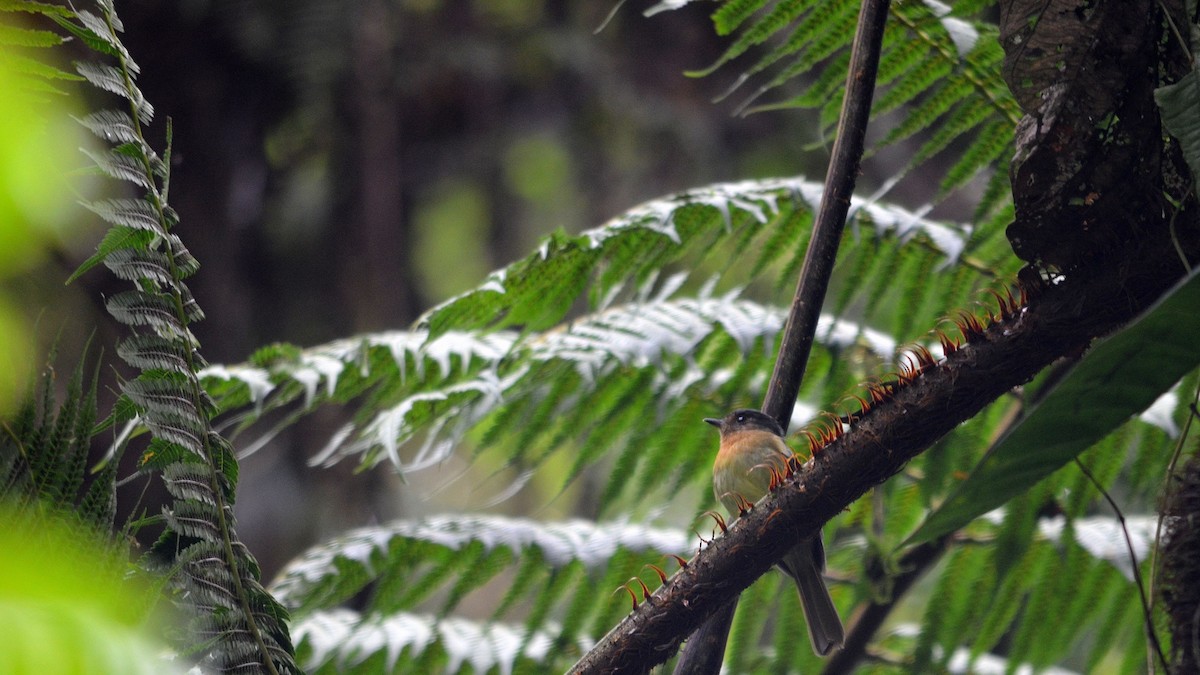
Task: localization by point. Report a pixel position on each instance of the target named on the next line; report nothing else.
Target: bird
(752, 447)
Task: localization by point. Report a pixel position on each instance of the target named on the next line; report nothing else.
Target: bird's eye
(741, 418)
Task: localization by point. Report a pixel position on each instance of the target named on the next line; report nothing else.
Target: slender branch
(706, 649)
(1148, 617)
(831, 218)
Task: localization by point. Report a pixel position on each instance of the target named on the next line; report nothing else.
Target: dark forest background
(341, 167)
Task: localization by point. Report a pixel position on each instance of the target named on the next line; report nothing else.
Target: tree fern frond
(132, 265)
(1042, 573)
(112, 126)
(994, 142)
(138, 308)
(965, 577)
(945, 63)
(499, 372)
(119, 166)
(12, 36)
(344, 641)
(1004, 603)
(135, 214)
(780, 15)
(536, 292)
(1059, 638)
(1103, 538)
(44, 452)
(237, 623)
(731, 14)
(321, 577)
(816, 36)
(754, 610)
(20, 43)
(152, 352)
(504, 368)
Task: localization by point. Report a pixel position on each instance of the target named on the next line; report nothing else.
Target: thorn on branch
(925, 358)
(969, 325)
(792, 465)
(628, 590)
(719, 519)
(837, 429)
(863, 406)
(948, 346)
(813, 445)
(743, 505)
(645, 589)
(662, 576)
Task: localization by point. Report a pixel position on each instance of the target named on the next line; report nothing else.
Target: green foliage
(67, 600)
(938, 73)
(592, 361)
(400, 566)
(623, 386)
(1178, 102)
(600, 352)
(1117, 379)
(641, 349)
(210, 572)
(44, 453)
(37, 141)
(66, 604)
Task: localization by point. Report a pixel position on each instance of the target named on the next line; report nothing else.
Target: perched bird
(751, 446)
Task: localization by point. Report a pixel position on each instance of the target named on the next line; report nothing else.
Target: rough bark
(1089, 178)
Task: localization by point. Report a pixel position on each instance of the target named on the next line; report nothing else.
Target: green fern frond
(501, 369)
(939, 63)
(554, 381)
(23, 49)
(537, 291)
(332, 572)
(345, 641)
(44, 451)
(210, 570)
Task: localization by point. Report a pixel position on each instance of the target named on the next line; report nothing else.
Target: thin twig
(1133, 563)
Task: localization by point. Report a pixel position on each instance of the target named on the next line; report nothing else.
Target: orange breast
(744, 464)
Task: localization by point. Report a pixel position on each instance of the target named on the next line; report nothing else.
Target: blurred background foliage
(38, 149)
(341, 167)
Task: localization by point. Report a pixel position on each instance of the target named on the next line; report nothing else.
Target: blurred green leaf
(1179, 102)
(64, 606)
(1119, 378)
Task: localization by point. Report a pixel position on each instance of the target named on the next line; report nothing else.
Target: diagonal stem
(705, 649)
(831, 218)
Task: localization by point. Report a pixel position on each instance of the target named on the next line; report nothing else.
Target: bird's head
(745, 419)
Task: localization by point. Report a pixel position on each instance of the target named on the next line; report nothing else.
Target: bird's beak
(713, 421)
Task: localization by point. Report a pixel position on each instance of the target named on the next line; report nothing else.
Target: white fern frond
(647, 335)
(344, 639)
(590, 543)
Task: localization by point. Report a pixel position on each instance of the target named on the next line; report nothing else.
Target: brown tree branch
(831, 217)
(705, 650)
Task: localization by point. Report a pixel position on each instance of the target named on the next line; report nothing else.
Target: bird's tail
(824, 625)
